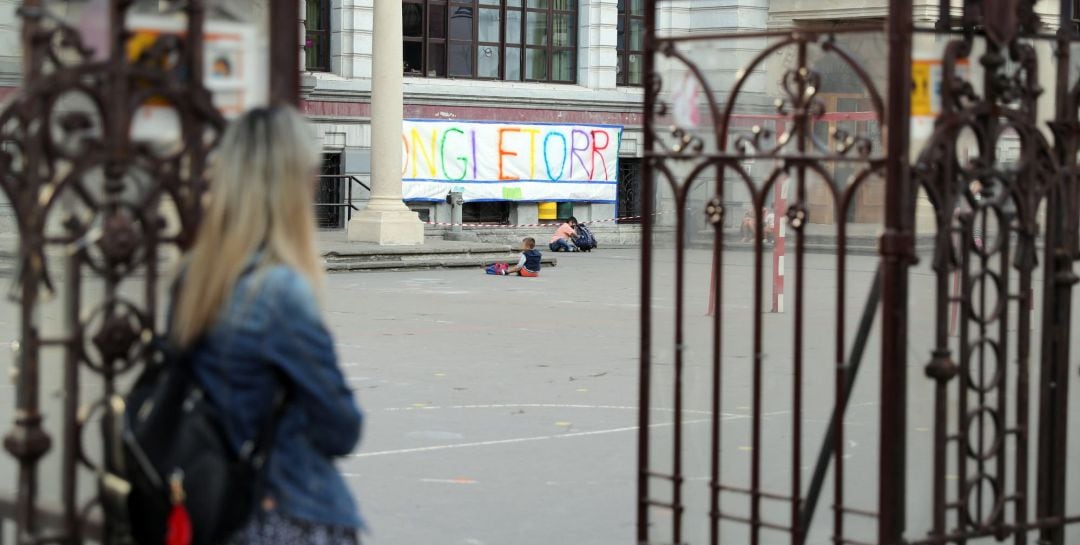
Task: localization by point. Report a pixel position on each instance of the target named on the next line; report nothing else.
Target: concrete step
(490, 256)
(345, 256)
(609, 235)
(429, 261)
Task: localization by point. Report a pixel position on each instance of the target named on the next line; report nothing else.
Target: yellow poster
(927, 77)
(922, 88)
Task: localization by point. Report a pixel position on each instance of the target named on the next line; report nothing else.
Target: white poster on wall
(525, 162)
(233, 71)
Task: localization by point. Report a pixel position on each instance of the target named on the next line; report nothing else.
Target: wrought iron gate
(98, 206)
(987, 459)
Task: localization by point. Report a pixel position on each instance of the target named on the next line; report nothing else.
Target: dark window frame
(317, 59)
(627, 53)
(553, 11)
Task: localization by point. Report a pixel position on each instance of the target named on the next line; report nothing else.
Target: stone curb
(477, 262)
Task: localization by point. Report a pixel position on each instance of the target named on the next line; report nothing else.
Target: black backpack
(584, 239)
(177, 457)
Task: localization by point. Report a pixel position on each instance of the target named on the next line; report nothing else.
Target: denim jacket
(269, 337)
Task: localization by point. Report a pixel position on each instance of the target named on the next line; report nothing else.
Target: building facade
(509, 61)
(541, 62)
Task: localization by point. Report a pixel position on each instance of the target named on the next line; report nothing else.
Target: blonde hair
(261, 190)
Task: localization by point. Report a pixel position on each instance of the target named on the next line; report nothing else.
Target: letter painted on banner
(503, 153)
(422, 152)
(533, 132)
(574, 149)
(597, 149)
(442, 154)
(562, 162)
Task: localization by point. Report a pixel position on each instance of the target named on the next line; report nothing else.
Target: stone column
(386, 220)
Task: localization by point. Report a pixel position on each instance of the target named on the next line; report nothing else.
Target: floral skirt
(272, 528)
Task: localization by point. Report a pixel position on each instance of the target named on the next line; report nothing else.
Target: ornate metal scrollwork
(94, 198)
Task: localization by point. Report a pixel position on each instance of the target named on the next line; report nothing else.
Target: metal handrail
(349, 192)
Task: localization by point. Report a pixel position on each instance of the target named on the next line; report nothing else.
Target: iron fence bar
(717, 363)
(944, 22)
(1044, 524)
(852, 367)
(797, 537)
(71, 396)
(724, 158)
(645, 353)
(1055, 372)
(50, 515)
(755, 523)
(199, 154)
(285, 52)
(941, 367)
(747, 491)
(841, 394)
(918, 29)
(987, 150)
(1001, 355)
(756, 412)
(677, 432)
(194, 53)
(857, 512)
(1059, 278)
(896, 254)
(960, 437)
(842, 541)
(26, 441)
(811, 31)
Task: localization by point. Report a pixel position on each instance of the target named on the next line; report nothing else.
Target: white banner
(510, 162)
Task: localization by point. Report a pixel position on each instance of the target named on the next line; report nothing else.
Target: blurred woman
(247, 311)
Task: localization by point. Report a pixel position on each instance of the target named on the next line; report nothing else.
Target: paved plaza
(504, 410)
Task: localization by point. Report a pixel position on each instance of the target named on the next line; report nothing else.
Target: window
(485, 212)
(630, 198)
(512, 40)
(631, 44)
(317, 41)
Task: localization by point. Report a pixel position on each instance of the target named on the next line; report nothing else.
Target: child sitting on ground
(529, 263)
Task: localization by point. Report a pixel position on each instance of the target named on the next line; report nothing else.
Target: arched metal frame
(82, 185)
(966, 198)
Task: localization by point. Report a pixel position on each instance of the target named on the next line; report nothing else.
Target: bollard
(779, 234)
(456, 233)
(455, 200)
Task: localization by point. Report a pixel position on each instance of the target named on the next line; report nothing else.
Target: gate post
(1057, 306)
(134, 232)
(284, 52)
(897, 253)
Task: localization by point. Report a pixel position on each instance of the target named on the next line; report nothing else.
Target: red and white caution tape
(519, 225)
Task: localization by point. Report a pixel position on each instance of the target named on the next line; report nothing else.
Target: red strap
(178, 527)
